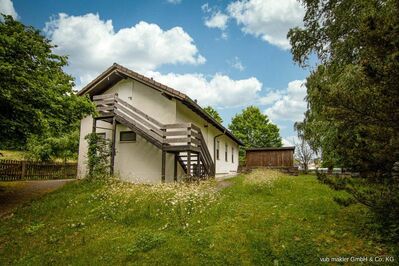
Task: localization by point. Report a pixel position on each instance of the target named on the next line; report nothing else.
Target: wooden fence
(29, 170)
(270, 157)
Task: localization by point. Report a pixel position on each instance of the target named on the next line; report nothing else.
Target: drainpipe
(214, 151)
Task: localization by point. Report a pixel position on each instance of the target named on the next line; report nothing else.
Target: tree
(303, 150)
(254, 129)
(353, 98)
(46, 148)
(303, 153)
(36, 96)
(212, 112)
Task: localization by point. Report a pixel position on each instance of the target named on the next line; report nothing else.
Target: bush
(46, 148)
(381, 196)
(98, 155)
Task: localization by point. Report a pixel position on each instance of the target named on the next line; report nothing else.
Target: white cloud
(7, 7)
(92, 45)
(290, 141)
(217, 20)
(175, 2)
(291, 105)
(270, 98)
(237, 64)
(218, 90)
(268, 19)
(205, 8)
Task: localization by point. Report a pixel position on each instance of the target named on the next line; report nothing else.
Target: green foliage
(254, 129)
(46, 148)
(212, 112)
(36, 96)
(353, 96)
(382, 196)
(98, 156)
(125, 223)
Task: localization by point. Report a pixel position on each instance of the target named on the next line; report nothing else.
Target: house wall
(86, 126)
(228, 166)
(140, 161)
(145, 99)
(223, 167)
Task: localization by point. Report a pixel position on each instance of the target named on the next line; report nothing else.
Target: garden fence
(30, 170)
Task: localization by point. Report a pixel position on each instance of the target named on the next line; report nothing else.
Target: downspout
(214, 151)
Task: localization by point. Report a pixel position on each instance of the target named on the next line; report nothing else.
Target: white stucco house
(158, 134)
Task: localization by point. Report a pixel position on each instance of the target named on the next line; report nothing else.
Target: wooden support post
(23, 170)
(163, 166)
(175, 168)
(188, 152)
(94, 125)
(198, 165)
(112, 159)
(188, 163)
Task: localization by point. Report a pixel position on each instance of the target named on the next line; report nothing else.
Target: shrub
(381, 196)
(98, 155)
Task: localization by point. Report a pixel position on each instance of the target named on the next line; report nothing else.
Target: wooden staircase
(184, 140)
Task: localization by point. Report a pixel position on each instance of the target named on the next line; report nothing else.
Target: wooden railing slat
(119, 100)
(179, 125)
(104, 96)
(139, 119)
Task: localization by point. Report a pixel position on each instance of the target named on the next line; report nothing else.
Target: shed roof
(271, 149)
(116, 72)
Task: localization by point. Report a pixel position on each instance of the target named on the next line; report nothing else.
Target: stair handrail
(111, 104)
(204, 148)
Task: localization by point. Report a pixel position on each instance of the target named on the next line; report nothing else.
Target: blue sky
(228, 54)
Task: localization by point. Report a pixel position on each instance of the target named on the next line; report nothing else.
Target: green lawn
(262, 218)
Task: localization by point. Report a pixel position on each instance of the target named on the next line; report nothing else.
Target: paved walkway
(15, 193)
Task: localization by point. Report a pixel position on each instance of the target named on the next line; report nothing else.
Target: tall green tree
(254, 129)
(215, 114)
(353, 95)
(36, 96)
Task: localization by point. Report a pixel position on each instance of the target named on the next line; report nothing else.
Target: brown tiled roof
(117, 72)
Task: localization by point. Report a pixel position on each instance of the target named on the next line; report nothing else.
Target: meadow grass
(263, 218)
(24, 155)
(13, 155)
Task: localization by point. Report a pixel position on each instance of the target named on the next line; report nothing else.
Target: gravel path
(15, 193)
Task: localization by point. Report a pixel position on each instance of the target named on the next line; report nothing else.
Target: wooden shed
(270, 157)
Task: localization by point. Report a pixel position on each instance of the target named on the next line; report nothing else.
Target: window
(232, 154)
(127, 136)
(101, 135)
(217, 150)
(225, 152)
